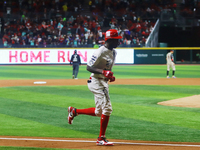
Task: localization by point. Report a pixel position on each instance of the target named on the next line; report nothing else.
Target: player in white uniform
(100, 65)
(170, 63)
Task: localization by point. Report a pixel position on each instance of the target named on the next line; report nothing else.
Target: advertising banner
(56, 56)
(150, 56)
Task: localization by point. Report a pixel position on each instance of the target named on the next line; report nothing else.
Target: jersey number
(93, 59)
(75, 58)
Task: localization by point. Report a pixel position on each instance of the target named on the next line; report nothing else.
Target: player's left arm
(112, 79)
(71, 60)
(94, 70)
(108, 74)
(172, 58)
(91, 67)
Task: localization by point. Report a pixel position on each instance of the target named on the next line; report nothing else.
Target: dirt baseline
(90, 144)
(181, 81)
(42, 142)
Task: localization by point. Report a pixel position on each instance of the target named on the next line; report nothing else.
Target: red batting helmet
(112, 34)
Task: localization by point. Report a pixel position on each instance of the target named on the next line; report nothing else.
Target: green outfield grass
(42, 110)
(120, 71)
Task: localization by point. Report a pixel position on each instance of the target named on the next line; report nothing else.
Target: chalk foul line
(85, 141)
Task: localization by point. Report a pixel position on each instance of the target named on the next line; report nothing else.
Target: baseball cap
(112, 34)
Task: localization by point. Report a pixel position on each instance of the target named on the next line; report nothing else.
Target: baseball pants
(99, 88)
(75, 69)
(171, 65)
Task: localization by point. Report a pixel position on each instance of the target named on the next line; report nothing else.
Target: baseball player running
(170, 63)
(100, 66)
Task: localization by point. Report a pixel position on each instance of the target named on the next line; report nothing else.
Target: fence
(152, 40)
(25, 56)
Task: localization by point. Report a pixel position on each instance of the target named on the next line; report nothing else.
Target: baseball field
(34, 116)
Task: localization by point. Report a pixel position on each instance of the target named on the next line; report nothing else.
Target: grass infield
(42, 110)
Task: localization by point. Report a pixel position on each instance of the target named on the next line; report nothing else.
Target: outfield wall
(56, 56)
(63, 55)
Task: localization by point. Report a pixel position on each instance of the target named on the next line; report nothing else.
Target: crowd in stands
(190, 8)
(80, 23)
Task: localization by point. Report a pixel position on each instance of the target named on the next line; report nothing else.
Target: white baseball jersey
(102, 58)
(170, 63)
(169, 57)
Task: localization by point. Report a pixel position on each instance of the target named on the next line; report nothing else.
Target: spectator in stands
(65, 10)
(78, 30)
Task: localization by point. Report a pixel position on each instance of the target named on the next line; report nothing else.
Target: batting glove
(112, 79)
(108, 74)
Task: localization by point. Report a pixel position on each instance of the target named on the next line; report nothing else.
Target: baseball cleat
(103, 142)
(71, 114)
(168, 77)
(173, 77)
